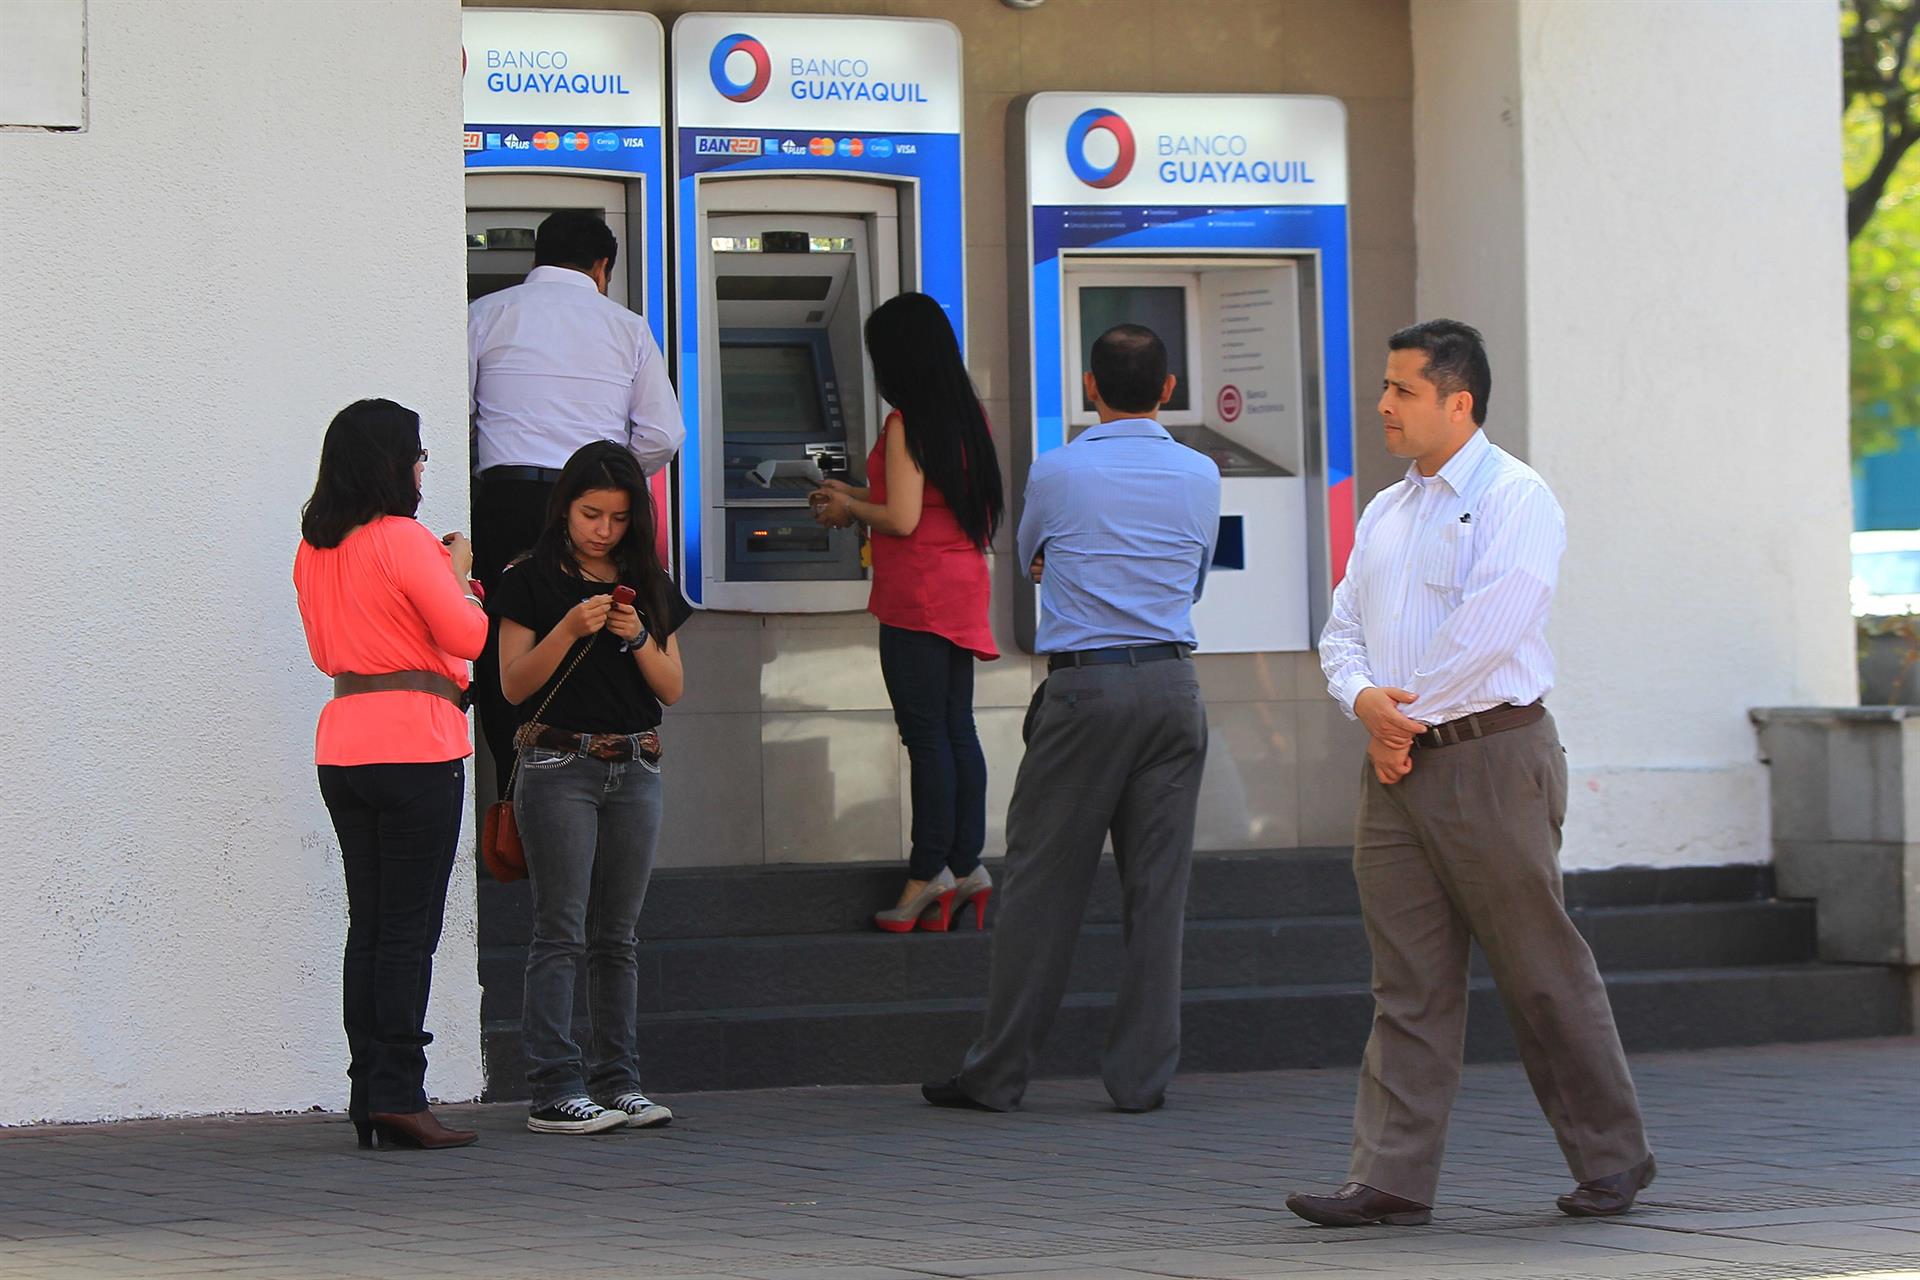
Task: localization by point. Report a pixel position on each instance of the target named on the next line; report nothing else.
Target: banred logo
(821, 146)
(546, 140)
(473, 139)
(1102, 120)
(758, 65)
(1229, 402)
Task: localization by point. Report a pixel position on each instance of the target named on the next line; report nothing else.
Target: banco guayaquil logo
(740, 90)
(1094, 175)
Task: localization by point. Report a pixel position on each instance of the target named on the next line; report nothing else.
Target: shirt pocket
(1449, 559)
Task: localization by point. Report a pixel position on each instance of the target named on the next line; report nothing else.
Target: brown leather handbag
(500, 847)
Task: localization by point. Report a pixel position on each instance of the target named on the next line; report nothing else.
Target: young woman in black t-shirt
(587, 795)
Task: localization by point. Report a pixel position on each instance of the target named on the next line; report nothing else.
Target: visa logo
(707, 145)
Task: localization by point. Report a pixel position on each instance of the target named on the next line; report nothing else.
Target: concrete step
(691, 974)
(743, 902)
(1244, 1028)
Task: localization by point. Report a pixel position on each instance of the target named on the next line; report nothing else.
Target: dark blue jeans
(398, 826)
(930, 681)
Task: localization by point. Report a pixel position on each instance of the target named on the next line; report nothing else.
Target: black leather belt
(545, 475)
(1480, 724)
(1133, 655)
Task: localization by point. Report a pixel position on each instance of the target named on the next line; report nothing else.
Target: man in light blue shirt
(1119, 527)
(1126, 518)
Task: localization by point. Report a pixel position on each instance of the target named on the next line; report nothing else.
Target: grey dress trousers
(1464, 848)
(1110, 748)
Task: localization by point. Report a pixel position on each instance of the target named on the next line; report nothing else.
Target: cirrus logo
(1102, 120)
(740, 90)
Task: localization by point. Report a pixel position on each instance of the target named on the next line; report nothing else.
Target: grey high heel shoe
(975, 889)
(936, 896)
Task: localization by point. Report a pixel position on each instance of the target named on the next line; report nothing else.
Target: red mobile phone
(623, 595)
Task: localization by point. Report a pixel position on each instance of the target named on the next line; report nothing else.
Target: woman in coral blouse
(933, 501)
(387, 615)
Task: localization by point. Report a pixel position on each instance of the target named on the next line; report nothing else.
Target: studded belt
(601, 746)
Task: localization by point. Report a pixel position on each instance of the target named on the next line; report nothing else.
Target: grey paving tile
(1777, 1162)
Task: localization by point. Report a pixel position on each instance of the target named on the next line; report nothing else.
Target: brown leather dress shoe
(1607, 1197)
(417, 1129)
(1358, 1205)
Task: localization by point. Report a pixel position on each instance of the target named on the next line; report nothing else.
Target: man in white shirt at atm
(553, 364)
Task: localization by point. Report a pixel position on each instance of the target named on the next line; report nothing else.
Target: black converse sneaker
(641, 1111)
(575, 1115)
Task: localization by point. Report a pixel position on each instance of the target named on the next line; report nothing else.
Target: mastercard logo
(821, 146)
(546, 140)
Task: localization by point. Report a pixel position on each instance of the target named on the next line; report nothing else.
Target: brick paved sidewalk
(1776, 1163)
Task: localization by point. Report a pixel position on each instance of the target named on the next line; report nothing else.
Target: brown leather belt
(1480, 724)
(601, 746)
(347, 683)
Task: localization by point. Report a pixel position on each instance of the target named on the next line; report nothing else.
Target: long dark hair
(917, 363)
(366, 471)
(606, 465)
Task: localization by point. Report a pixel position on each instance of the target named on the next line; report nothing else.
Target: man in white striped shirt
(1438, 645)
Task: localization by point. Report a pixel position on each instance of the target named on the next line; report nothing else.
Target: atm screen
(768, 390)
(1161, 308)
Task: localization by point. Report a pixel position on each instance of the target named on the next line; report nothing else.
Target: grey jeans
(590, 827)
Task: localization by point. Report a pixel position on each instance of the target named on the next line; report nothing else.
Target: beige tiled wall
(783, 749)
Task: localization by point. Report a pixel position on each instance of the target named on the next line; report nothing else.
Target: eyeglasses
(422, 457)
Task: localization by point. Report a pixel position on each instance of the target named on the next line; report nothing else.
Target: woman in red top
(387, 615)
(933, 500)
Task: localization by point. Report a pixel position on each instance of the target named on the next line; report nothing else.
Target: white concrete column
(1641, 204)
(260, 223)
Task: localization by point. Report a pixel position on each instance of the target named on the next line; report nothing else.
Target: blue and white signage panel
(782, 95)
(1158, 174)
(548, 91)
(851, 75)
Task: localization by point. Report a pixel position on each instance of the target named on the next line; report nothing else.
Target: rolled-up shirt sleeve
(655, 429)
(1343, 644)
(1504, 602)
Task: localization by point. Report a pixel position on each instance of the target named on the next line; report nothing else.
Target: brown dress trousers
(1467, 847)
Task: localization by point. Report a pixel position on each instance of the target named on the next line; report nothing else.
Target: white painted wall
(1683, 259)
(261, 223)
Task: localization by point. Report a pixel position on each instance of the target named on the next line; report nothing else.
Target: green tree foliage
(1881, 70)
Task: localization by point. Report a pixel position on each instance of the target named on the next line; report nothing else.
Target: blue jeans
(930, 682)
(398, 826)
(589, 827)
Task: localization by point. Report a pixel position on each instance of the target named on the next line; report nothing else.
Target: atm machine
(566, 110)
(817, 174)
(1219, 222)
